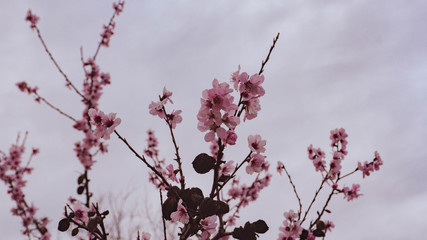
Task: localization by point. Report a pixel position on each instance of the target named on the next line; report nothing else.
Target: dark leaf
(223, 178)
(208, 207)
(80, 179)
(303, 235)
(63, 225)
(80, 189)
(203, 163)
(174, 192)
(71, 215)
(222, 208)
(168, 207)
(260, 226)
(92, 225)
(318, 233)
(75, 231)
(320, 225)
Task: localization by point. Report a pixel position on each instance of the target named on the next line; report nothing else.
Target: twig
(100, 43)
(295, 191)
(234, 172)
(178, 158)
(163, 219)
(53, 107)
(269, 53)
(69, 83)
(314, 198)
(142, 158)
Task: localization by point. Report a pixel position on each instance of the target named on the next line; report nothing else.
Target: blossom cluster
(217, 108)
(24, 87)
(12, 171)
(256, 161)
(339, 146)
(109, 29)
(158, 109)
(367, 167)
(32, 18)
(159, 164)
(105, 124)
(250, 91)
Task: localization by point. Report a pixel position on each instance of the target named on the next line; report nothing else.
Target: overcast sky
(360, 65)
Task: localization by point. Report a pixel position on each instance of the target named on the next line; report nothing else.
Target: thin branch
(69, 83)
(314, 198)
(100, 43)
(163, 219)
(269, 53)
(348, 174)
(53, 107)
(234, 172)
(142, 158)
(178, 158)
(295, 191)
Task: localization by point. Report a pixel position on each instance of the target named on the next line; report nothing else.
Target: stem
(234, 172)
(88, 194)
(99, 44)
(69, 83)
(324, 208)
(163, 220)
(178, 158)
(348, 174)
(295, 191)
(269, 53)
(216, 169)
(314, 198)
(54, 108)
(142, 158)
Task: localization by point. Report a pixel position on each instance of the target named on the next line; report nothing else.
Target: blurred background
(360, 65)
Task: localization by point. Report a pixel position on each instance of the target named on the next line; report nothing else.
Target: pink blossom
(227, 168)
(290, 230)
(208, 226)
(335, 168)
(352, 193)
(216, 107)
(180, 214)
(118, 7)
(251, 88)
(145, 236)
(106, 34)
(32, 18)
(252, 108)
(329, 225)
(156, 108)
(231, 137)
(280, 167)
(80, 210)
(166, 95)
(105, 78)
(175, 118)
(290, 216)
(377, 162)
(256, 144)
(339, 136)
(105, 124)
(171, 173)
(255, 163)
(152, 143)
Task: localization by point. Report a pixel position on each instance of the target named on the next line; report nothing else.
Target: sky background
(360, 65)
